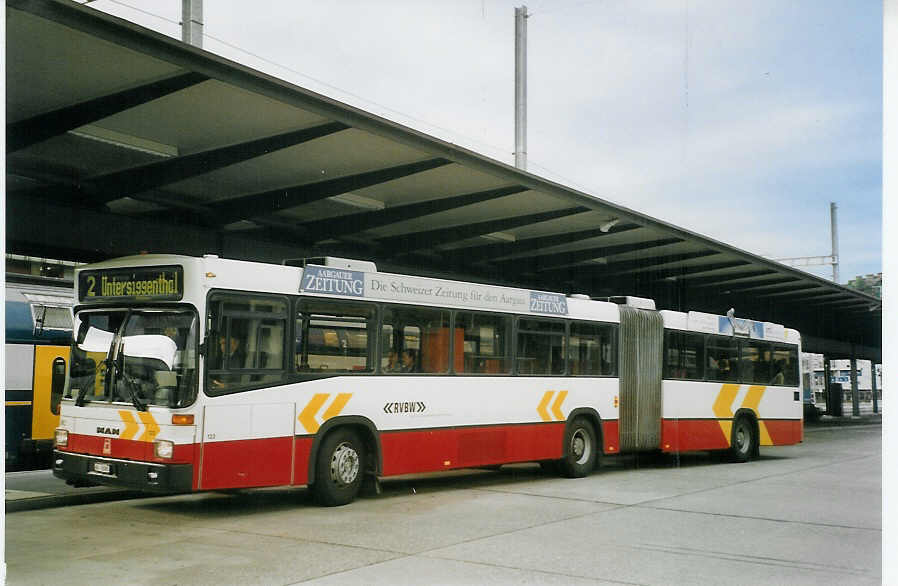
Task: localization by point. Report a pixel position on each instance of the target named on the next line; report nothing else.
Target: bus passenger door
(247, 445)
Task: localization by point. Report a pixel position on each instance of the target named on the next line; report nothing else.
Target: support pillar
(873, 386)
(855, 401)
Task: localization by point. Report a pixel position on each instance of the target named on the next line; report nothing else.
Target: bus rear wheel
(339, 469)
(744, 439)
(580, 449)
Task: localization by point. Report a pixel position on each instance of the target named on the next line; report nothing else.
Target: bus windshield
(143, 357)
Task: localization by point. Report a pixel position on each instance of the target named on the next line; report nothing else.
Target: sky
(740, 121)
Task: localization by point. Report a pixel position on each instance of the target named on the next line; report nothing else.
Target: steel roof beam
(783, 290)
(485, 252)
(102, 189)
(806, 293)
(255, 205)
(683, 271)
(632, 266)
(835, 297)
(766, 285)
(549, 261)
(25, 133)
(355, 223)
(715, 280)
(429, 238)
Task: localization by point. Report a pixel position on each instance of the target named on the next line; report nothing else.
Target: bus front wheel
(580, 449)
(339, 469)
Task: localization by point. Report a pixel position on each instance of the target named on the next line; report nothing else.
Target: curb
(68, 500)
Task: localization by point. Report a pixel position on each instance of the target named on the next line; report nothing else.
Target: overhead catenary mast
(520, 88)
(832, 259)
(192, 22)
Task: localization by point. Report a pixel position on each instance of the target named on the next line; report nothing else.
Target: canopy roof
(120, 139)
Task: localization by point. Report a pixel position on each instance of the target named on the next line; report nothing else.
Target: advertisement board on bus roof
(404, 288)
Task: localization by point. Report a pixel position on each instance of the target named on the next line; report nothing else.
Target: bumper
(81, 469)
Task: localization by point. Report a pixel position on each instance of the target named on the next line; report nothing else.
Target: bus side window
(785, 366)
(334, 336)
(414, 339)
(755, 361)
(248, 341)
(723, 359)
(592, 349)
(540, 348)
(487, 342)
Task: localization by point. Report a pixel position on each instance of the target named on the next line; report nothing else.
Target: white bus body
(224, 374)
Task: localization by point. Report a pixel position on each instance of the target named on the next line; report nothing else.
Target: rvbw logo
(405, 407)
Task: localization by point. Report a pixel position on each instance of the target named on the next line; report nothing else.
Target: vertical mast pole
(835, 236)
(192, 22)
(520, 88)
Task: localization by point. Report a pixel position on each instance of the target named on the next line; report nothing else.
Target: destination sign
(165, 283)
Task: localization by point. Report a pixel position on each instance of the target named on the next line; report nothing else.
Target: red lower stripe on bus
(611, 436)
(127, 449)
(407, 452)
(245, 463)
(785, 431)
(683, 435)
(686, 435)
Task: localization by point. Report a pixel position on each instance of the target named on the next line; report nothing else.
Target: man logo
(109, 431)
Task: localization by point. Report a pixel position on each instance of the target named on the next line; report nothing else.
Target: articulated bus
(195, 374)
(38, 337)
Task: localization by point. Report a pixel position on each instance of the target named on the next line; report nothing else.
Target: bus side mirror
(57, 384)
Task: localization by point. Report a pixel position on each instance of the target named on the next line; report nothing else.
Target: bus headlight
(61, 437)
(164, 449)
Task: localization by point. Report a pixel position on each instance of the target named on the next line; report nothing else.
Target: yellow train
(38, 338)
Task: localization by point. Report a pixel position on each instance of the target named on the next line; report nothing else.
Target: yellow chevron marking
(556, 406)
(723, 408)
(131, 425)
(752, 400)
(307, 415)
(541, 409)
(765, 439)
(151, 428)
(336, 406)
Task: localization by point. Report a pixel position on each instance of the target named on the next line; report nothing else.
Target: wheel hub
(580, 446)
(345, 464)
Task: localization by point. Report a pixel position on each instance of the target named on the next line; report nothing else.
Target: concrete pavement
(806, 514)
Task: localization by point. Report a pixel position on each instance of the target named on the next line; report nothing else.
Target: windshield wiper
(82, 392)
(132, 392)
(129, 382)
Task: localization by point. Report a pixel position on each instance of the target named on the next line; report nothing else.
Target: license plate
(102, 468)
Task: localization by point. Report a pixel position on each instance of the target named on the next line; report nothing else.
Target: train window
(485, 342)
(723, 359)
(785, 366)
(49, 317)
(754, 361)
(247, 346)
(414, 339)
(334, 336)
(684, 356)
(592, 349)
(540, 347)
